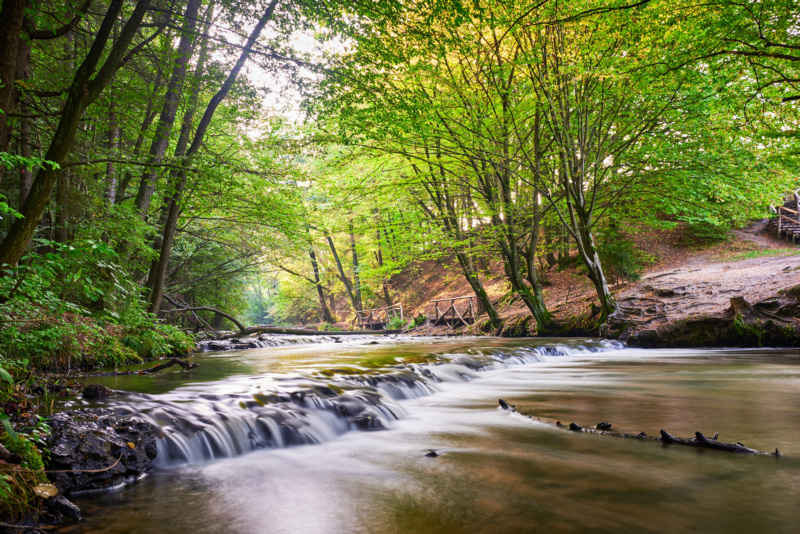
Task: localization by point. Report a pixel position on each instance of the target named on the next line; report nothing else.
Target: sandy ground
(705, 282)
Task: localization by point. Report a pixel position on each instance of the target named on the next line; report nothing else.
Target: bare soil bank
(682, 299)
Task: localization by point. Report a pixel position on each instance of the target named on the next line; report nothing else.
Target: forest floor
(685, 278)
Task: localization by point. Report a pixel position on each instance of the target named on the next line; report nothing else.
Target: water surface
(228, 462)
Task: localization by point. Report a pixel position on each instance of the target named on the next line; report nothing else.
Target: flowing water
(333, 437)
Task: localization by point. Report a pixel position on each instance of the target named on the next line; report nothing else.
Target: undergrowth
(22, 484)
(74, 306)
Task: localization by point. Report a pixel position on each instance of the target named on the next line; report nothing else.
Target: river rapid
(333, 437)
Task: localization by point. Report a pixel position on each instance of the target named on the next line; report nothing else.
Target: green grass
(749, 255)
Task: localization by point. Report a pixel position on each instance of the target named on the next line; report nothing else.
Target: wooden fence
(452, 316)
(378, 318)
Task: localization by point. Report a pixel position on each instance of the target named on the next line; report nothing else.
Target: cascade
(284, 411)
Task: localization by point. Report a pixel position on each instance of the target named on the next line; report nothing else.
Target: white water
(246, 414)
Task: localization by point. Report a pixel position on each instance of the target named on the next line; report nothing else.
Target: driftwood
(174, 361)
(245, 330)
(699, 440)
(307, 332)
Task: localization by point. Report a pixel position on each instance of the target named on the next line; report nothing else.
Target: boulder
(98, 391)
(62, 509)
(118, 449)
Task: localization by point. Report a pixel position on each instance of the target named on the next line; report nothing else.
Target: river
(326, 437)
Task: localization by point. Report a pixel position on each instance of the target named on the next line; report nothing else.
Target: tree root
(699, 440)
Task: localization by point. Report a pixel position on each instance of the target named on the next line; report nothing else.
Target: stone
(60, 507)
(94, 440)
(98, 391)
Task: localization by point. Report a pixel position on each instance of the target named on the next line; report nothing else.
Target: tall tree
(86, 86)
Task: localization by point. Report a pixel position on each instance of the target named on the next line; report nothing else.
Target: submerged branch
(699, 440)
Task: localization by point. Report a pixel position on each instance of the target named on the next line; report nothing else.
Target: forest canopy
(285, 160)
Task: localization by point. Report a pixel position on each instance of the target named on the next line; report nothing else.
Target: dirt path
(707, 287)
(705, 282)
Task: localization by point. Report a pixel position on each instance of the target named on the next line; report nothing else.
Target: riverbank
(682, 300)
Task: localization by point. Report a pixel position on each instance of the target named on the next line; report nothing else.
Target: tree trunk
(25, 172)
(149, 116)
(347, 285)
(180, 147)
(356, 277)
(86, 86)
(326, 313)
(169, 229)
(23, 73)
(379, 256)
(11, 16)
(160, 142)
(113, 142)
(480, 292)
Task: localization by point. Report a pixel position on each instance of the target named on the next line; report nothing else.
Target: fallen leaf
(45, 491)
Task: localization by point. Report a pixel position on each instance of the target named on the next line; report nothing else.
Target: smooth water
(332, 438)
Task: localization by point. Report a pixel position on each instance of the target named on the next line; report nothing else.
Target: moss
(18, 496)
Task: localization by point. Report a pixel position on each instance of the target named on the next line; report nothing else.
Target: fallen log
(174, 361)
(307, 332)
(699, 440)
(245, 330)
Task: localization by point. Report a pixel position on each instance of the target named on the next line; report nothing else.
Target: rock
(432, 454)
(98, 391)
(60, 507)
(93, 440)
(8, 457)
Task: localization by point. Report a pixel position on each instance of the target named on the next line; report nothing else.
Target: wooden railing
(451, 315)
(787, 220)
(378, 318)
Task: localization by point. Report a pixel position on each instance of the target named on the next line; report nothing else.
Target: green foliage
(18, 485)
(419, 320)
(704, 233)
(397, 323)
(620, 257)
(747, 330)
(76, 306)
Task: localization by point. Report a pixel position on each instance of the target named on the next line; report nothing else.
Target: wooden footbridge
(378, 318)
(452, 316)
(786, 225)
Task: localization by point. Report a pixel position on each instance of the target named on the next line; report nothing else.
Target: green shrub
(396, 323)
(75, 306)
(19, 484)
(620, 257)
(703, 233)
